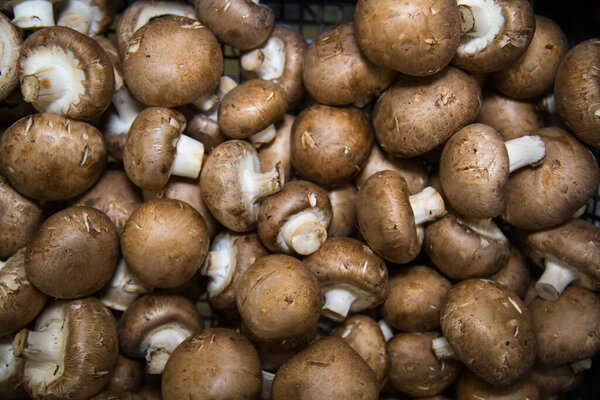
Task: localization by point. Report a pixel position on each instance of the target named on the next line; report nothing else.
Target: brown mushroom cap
(279, 298)
(127, 376)
(279, 149)
(490, 330)
(10, 42)
(154, 247)
(243, 24)
(551, 193)
(553, 381)
(78, 243)
(175, 71)
(343, 220)
(470, 387)
(416, 295)
(417, 114)
(327, 369)
(69, 156)
(330, 145)
(568, 329)
(515, 275)
(577, 93)
(84, 92)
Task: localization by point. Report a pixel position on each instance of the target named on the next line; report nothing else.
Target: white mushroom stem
(263, 137)
(386, 329)
(524, 151)
(556, 277)
(127, 107)
(485, 228)
(580, 366)
(482, 20)
(338, 300)
(267, 61)
(44, 346)
(220, 264)
(226, 84)
(579, 212)
(257, 185)
(427, 205)
(160, 343)
(467, 19)
(155, 9)
(206, 102)
(8, 366)
(123, 288)
(441, 348)
(33, 14)
(188, 157)
(304, 232)
(548, 103)
(78, 15)
(2, 264)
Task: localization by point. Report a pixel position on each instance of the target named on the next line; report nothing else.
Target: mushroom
(515, 275)
(65, 72)
(154, 325)
(295, 220)
(156, 149)
(469, 387)
(90, 17)
(154, 247)
(416, 295)
(116, 395)
(217, 363)
(475, 165)
(242, 24)
(327, 369)
(417, 114)
(330, 145)
(127, 376)
(351, 276)
(279, 149)
(172, 61)
(343, 219)
(77, 243)
(71, 352)
(11, 371)
(30, 14)
(336, 72)
(553, 381)
(392, 228)
(232, 184)
(10, 42)
(69, 156)
(569, 253)
(122, 290)
(279, 298)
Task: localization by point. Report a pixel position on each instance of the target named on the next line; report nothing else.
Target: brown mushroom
(510, 117)
(279, 149)
(343, 219)
(127, 376)
(552, 381)
(470, 387)
(515, 275)
(85, 16)
(10, 42)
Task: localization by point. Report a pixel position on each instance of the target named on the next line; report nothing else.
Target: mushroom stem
(160, 343)
(582, 365)
(268, 62)
(220, 264)
(123, 288)
(386, 329)
(338, 301)
(253, 60)
(45, 346)
(484, 227)
(127, 107)
(427, 205)
(7, 360)
(226, 84)
(263, 137)
(258, 185)
(467, 19)
(441, 348)
(77, 15)
(524, 151)
(304, 232)
(2, 264)
(188, 157)
(556, 277)
(481, 26)
(33, 14)
(548, 103)
(206, 102)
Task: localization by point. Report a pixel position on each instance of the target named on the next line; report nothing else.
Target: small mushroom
(343, 219)
(279, 149)
(515, 275)
(127, 376)
(10, 43)
(90, 17)
(470, 387)
(30, 14)
(510, 117)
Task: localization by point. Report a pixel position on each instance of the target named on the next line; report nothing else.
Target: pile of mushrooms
(394, 208)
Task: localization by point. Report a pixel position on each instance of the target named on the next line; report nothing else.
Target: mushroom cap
(417, 114)
(20, 301)
(515, 275)
(154, 247)
(490, 330)
(469, 387)
(337, 73)
(414, 37)
(577, 94)
(351, 264)
(127, 376)
(414, 369)
(95, 79)
(117, 395)
(549, 194)
(251, 107)
(279, 149)
(69, 156)
(151, 146)
(389, 229)
(10, 41)
(150, 312)
(20, 219)
(330, 145)
(555, 380)
(416, 295)
(568, 329)
(279, 298)
(327, 369)
(242, 24)
(215, 363)
(343, 219)
(175, 71)
(78, 243)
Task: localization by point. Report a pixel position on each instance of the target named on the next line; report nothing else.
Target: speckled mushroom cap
(551, 193)
(337, 73)
(243, 24)
(20, 219)
(568, 329)
(279, 298)
(330, 144)
(164, 242)
(20, 301)
(490, 330)
(469, 387)
(414, 37)
(152, 312)
(415, 297)
(10, 42)
(414, 370)
(251, 107)
(77, 243)
(417, 114)
(577, 94)
(66, 72)
(175, 71)
(69, 156)
(514, 275)
(215, 363)
(327, 369)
